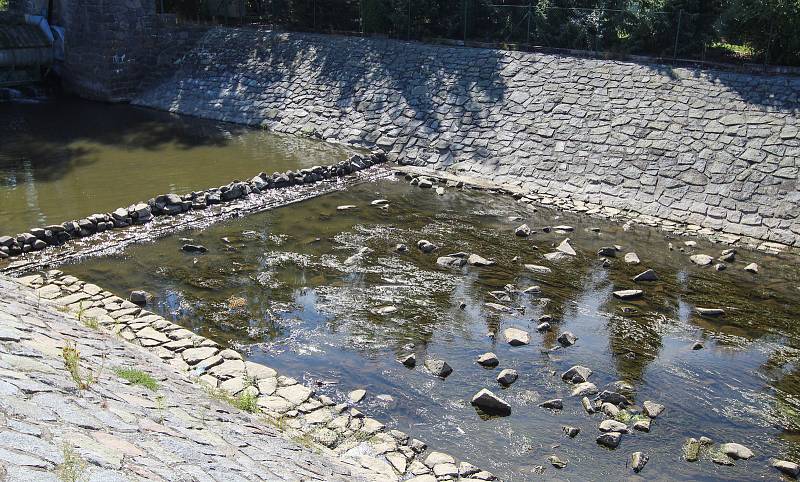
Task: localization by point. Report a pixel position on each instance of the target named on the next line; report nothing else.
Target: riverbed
(321, 292)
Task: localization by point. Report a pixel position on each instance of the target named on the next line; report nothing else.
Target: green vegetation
(3, 4)
(71, 470)
(749, 30)
(72, 361)
(137, 377)
(244, 401)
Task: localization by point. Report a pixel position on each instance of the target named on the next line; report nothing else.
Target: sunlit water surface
(311, 315)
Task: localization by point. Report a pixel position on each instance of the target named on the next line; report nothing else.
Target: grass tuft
(137, 377)
(71, 470)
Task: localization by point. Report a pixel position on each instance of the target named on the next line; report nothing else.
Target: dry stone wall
(714, 149)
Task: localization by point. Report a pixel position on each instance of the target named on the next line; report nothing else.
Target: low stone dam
(361, 259)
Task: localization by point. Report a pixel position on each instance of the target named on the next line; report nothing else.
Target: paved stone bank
(172, 204)
(125, 428)
(719, 150)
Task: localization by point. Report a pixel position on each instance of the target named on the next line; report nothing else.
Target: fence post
(408, 27)
(528, 33)
(677, 34)
(465, 22)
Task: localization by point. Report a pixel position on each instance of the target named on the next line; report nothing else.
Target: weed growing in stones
(247, 401)
(161, 407)
(137, 377)
(71, 470)
(72, 362)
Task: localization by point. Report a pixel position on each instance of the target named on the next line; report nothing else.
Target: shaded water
(310, 314)
(64, 159)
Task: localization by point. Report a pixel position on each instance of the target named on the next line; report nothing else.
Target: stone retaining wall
(719, 150)
(359, 440)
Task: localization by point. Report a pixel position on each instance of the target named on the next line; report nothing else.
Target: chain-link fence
(523, 24)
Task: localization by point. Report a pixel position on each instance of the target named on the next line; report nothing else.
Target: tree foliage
(750, 30)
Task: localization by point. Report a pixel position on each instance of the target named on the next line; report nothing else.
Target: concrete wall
(715, 149)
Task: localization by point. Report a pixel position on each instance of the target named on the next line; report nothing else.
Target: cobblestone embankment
(193, 425)
(718, 150)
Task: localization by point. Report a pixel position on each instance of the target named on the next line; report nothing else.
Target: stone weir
(162, 214)
(718, 150)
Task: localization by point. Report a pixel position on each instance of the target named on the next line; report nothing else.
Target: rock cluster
(172, 204)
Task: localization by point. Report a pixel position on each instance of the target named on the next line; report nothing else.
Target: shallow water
(63, 159)
(278, 286)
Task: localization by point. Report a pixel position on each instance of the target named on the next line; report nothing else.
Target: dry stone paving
(711, 149)
(183, 430)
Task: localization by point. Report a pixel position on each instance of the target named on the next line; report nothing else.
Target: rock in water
(507, 377)
(628, 294)
(438, 368)
(538, 269)
(648, 275)
(523, 231)
(566, 248)
(357, 395)
(652, 409)
(613, 426)
(577, 374)
(610, 439)
(554, 404)
(409, 360)
(789, 468)
(570, 431)
(701, 259)
(607, 251)
(638, 461)
(583, 389)
(516, 337)
(556, 462)
(491, 403)
(139, 297)
(488, 359)
(450, 262)
(426, 246)
(752, 268)
(476, 260)
(556, 256)
(736, 451)
(632, 258)
(567, 338)
(194, 248)
(691, 450)
(710, 312)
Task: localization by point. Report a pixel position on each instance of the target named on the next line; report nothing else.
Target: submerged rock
(632, 258)
(607, 251)
(567, 338)
(789, 468)
(507, 377)
(553, 404)
(140, 297)
(701, 259)
(516, 337)
(523, 231)
(409, 360)
(538, 269)
(426, 246)
(566, 248)
(610, 439)
(570, 431)
(556, 462)
(648, 275)
(577, 374)
(638, 461)
(194, 248)
(652, 409)
(628, 294)
(709, 312)
(491, 403)
(476, 260)
(438, 368)
(451, 262)
(488, 359)
(736, 451)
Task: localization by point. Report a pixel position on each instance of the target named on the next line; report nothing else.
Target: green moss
(137, 377)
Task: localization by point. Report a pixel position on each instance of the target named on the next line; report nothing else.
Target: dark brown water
(64, 159)
(311, 314)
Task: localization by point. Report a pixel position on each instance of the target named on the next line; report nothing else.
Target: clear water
(310, 315)
(64, 159)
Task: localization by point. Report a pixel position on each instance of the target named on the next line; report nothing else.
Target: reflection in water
(64, 159)
(311, 314)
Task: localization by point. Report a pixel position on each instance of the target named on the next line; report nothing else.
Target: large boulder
(516, 337)
(438, 368)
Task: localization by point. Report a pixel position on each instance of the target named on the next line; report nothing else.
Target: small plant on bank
(81, 311)
(161, 407)
(72, 362)
(247, 401)
(137, 377)
(71, 470)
